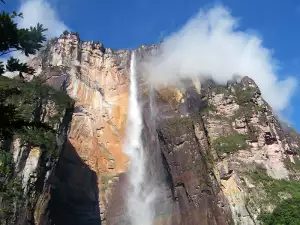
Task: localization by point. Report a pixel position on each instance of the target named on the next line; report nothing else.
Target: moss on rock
(286, 213)
(231, 143)
(284, 194)
(244, 94)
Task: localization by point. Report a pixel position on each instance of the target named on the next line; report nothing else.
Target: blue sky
(131, 23)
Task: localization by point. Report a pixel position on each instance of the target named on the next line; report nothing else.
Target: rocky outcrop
(97, 78)
(33, 134)
(194, 192)
(245, 135)
(204, 142)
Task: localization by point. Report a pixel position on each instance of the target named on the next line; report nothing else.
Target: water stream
(140, 197)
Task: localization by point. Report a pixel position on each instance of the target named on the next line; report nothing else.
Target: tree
(18, 104)
(13, 39)
(286, 213)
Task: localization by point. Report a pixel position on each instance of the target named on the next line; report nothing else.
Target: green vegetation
(221, 89)
(39, 137)
(287, 210)
(16, 108)
(15, 39)
(23, 107)
(26, 97)
(30, 111)
(6, 166)
(247, 110)
(208, 108)
(297, 163)
(286, 213)
(292, 166)
(244, 95)
(274, 186)
(231, 143)
(11, 191)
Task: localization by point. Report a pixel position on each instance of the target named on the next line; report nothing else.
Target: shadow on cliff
(74, 193)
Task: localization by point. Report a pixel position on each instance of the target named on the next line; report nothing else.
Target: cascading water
(140, 198)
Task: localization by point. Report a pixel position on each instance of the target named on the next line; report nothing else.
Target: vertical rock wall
(204, 138)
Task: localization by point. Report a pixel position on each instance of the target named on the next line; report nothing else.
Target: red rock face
(99, 84)
(199, 184)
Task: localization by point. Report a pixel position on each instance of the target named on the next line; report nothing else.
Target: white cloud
(40, 11)
(34, 12)
(210, 44)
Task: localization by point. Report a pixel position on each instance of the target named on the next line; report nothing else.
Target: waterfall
(140, 197)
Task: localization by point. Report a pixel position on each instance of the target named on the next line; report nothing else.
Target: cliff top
(99, 45)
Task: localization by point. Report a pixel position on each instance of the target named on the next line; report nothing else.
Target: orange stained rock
(171, 95)
(97, 132)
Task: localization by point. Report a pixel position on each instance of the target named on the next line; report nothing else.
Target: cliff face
(234, 130)
(214, 151)
(33, 132)
(97, 78)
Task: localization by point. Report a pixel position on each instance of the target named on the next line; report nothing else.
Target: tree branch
(7, 52)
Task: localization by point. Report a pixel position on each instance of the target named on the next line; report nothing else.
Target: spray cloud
(210, 44)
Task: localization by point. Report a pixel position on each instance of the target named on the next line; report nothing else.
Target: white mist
(140, 197)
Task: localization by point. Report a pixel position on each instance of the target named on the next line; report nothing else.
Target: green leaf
(24, 40)
(15, 14)
(14, 64)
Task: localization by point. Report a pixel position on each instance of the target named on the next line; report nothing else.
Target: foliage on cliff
(286, 213)
(32, 112)
(287, 208)
(29, 106)
(11, 192)
(15, 39)
(230, 143)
